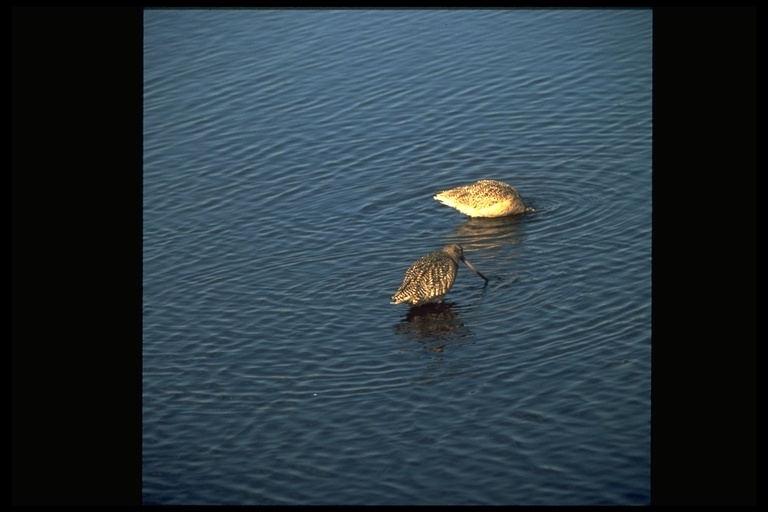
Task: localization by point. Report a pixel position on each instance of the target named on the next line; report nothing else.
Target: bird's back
(428, 279)
(484, 198)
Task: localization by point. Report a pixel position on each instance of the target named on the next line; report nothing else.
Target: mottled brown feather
(484, 198)
(430, 277)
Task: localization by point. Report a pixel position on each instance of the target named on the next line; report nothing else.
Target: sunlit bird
(430, 277)
(484, 198)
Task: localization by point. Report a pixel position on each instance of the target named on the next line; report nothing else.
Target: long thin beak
(465, 260)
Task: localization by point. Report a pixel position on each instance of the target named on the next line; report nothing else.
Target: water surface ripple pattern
(290, 159)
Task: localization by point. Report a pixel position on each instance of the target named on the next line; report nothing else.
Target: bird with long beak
(430, 277)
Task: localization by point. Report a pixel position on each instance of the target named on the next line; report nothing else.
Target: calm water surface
(290, 158)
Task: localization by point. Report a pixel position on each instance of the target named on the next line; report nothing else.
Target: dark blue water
(290, 158)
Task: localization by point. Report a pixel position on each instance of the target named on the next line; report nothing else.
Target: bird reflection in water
(435, 325)
(481, 234)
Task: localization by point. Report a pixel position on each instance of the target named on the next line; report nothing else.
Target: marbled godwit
(430, 277)
(484, 198)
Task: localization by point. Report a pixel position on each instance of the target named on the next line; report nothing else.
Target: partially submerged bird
(484, 198)
(430, 277)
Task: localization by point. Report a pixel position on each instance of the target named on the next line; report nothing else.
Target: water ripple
(290, 159)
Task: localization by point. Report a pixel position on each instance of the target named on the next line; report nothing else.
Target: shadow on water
(433, 325)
